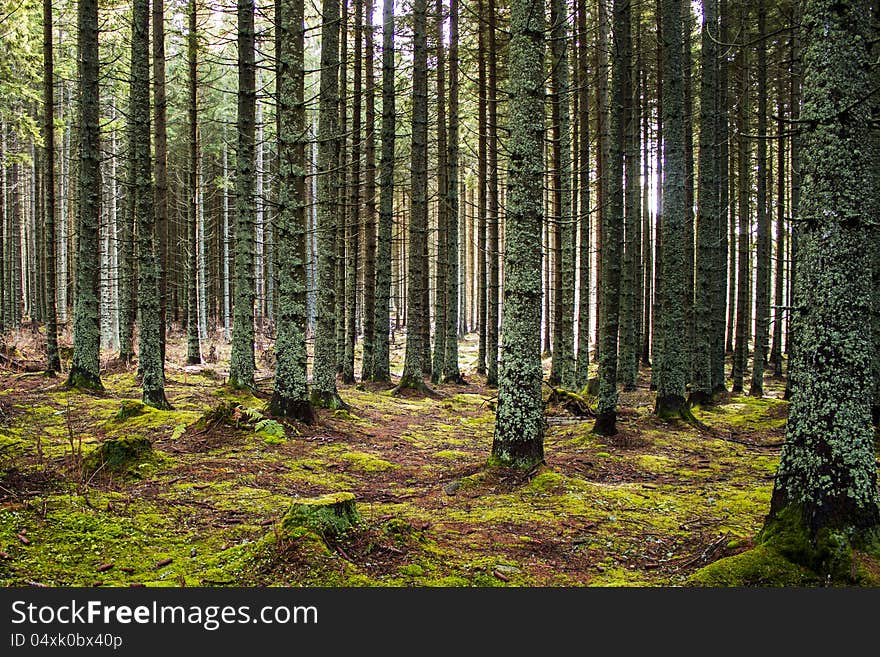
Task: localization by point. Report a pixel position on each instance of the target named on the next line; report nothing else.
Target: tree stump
(329, 516)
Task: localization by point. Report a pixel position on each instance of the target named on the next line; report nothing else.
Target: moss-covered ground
(205, 505)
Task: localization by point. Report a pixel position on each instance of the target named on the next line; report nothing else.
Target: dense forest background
(513, 225)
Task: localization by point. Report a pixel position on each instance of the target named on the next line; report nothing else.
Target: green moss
(761, 566)
(130, 408)
(362, 461)
(331, 515)
(119, 454)
(411, 570)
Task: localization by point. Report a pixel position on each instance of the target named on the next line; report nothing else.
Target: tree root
(576, 404)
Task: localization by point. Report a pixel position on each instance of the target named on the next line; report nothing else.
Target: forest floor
(646, 508)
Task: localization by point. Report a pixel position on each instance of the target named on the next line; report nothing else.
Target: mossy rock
(330, 516)
(119, 454)
(130, 408)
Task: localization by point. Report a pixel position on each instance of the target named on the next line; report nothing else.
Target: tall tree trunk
(492, 221)
(451, 373)
(762, 267)
(381, 367)
(562, 368)
(369, 200)
(482, 258)
(826, 484)
(160, 140)
(85, 370)
(241, 366)
(290, 395)
(341, 186)
(519, 425)
(708, 224)
(627, 363)
(582, 367)
(743, 300)
(324, 393)
(352, 227)
(193, 349)
(612, 228)
(779, 312)
(719, 385)
(443, 217)
(414, 366)
(687, 20)
(53, 360)
(149, 346)
(672, 361)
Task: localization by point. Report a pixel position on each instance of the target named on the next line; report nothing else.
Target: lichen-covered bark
(414, 365)
(493, 243)
(443, 216)
(451, 373)
(85, 370)
(290, 395)
(324, 392)
(369, 309)
(241, 365)
(762, 267)
(53, 361)
(627, 364)
(381, 367)
(519, 423)
(743, 188)
(562, 366)
(672, 361)
(611, 219)
(160, 144)
(193, 348)
(481, 187)
(353, 223)
(708, 223)
(149, 348)
(719, 306)
(582, 365)
(827, 470)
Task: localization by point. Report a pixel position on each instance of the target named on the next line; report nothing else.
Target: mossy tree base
(606, 424)
(416, 385)
(328, 400)
(119, 454)
(789, 553)
(157, 399)
(81, 380)
(456, 379)
(296, 409)
(669, 407)
(329, 516)
(517, 455)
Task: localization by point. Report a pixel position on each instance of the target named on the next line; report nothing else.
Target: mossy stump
(119, 453)
(329, 516)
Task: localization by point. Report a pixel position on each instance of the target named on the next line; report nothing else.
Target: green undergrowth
(206, 504)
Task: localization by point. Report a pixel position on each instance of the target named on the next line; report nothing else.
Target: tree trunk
(193, 349)
(451, 373)
(85, 370)
(562, 369)
(160, 140)
(519, 425)
(241, 366)
(443, 218)
(149, 346)
(482, 259)
(826, 484)
(582, 367)
(324, 392)
(53, 361)
(492, 221)
(414, 366)
(762, 267)
(740, 353)
(672, 361)
(291, 394)
(369, 201)
(381, 368)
